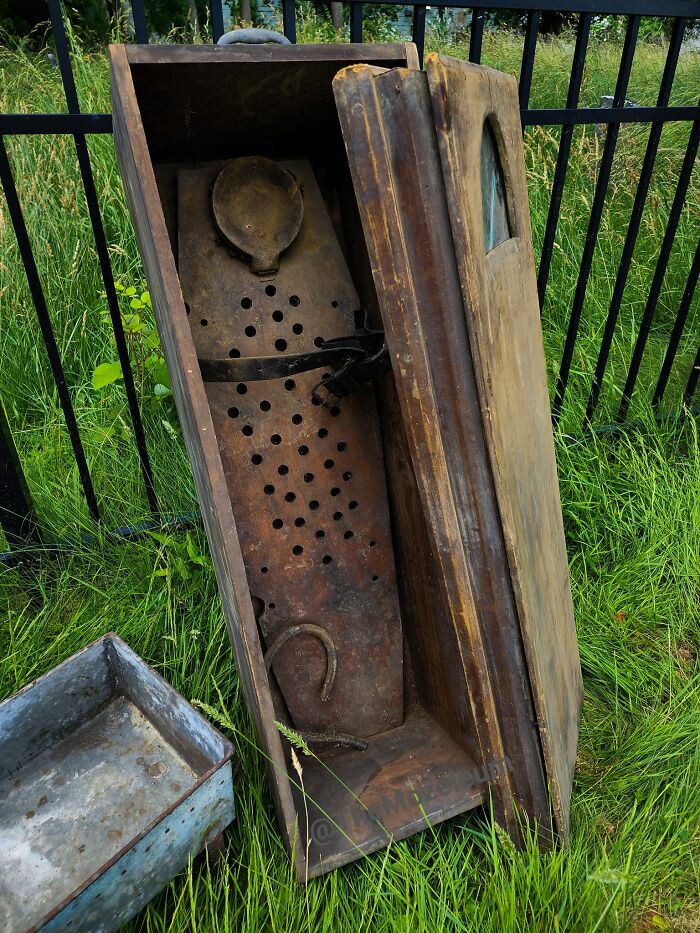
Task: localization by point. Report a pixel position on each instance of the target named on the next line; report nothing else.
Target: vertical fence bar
(289, 21)
(418, 30)
(476, 35)
(356, 22)
(661, 266)
(640, 198)
(678, 328)
(17, 518)
(528, 60)
(692, 381)
(25, 249)
(567, 133)
(217, 19)
(596, 215)
(138, 11)
(71, 95)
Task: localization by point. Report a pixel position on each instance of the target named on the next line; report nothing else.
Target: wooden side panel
(398, 233)
(407, 180)
(198, 430)
(500, 300)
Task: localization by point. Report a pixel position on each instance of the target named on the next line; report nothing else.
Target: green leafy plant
(150, 370)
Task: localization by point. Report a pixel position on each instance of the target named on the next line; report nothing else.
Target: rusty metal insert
(306, 480)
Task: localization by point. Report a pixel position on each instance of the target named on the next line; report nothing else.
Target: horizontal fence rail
(16, 514)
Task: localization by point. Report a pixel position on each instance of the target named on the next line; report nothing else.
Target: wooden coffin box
(378, 593)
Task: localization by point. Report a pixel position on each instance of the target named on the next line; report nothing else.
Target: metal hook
(308, 628)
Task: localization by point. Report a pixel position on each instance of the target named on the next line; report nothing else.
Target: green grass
(632, 516)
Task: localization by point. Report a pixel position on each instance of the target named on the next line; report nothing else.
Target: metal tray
(109, 782)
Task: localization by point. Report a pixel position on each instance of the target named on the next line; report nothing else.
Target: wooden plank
(424, 317)
(343, 53)
(393, 170)
(500, 300)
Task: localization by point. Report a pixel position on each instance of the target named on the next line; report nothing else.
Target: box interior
(427, 768)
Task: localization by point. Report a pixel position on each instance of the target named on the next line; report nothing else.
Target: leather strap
(354, 361)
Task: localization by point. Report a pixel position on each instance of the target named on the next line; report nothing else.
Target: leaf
(136, 304)
(130, 291)
(132, 323)
(146, 298)
(105, 374)
(161, 391)
(193, 553)
(159, 374)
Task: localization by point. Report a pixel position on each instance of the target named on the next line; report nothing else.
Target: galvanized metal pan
(109, 782)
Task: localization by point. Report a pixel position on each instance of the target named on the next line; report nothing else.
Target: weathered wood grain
(502, 311)
(387, 121)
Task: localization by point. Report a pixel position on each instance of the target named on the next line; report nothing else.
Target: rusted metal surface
(110, 781)
(307, 481)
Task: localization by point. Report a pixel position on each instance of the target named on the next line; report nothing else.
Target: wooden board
(500, 300)
(387, 122)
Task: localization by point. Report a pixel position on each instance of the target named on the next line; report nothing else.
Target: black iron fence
(16, 516)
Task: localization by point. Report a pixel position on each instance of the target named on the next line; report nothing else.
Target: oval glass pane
(493, 192)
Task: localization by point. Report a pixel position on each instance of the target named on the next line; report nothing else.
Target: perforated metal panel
(307, 481)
